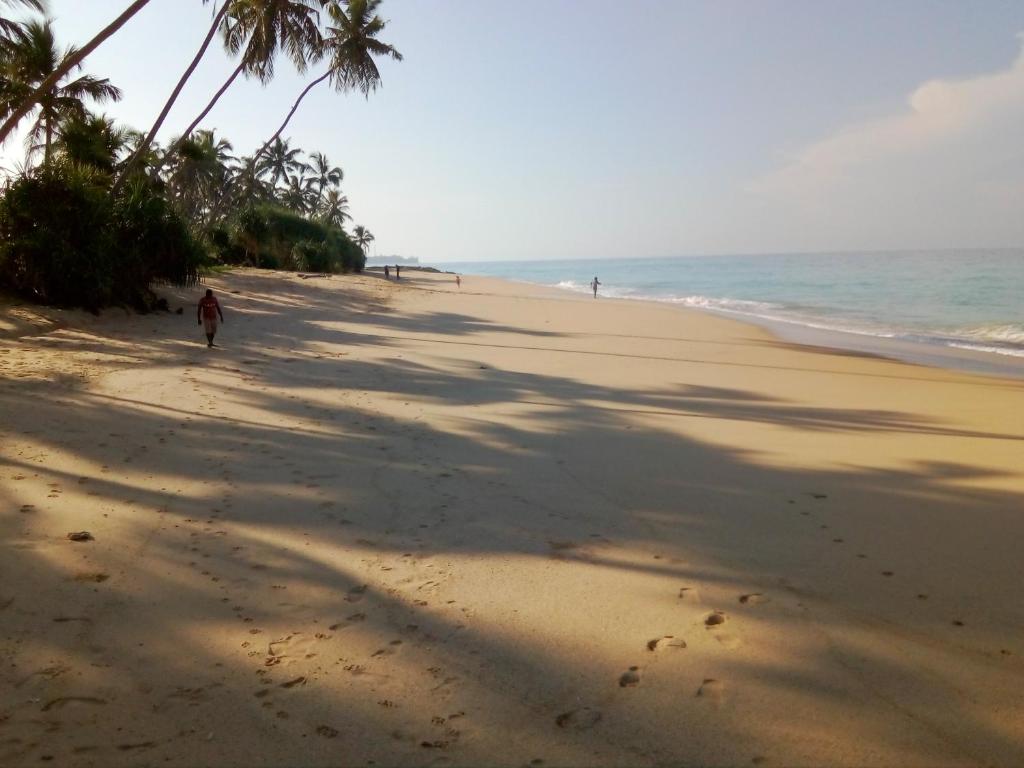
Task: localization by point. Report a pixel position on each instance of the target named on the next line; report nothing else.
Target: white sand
(419, 525)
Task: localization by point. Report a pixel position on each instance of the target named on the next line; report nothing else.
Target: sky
(644, 128)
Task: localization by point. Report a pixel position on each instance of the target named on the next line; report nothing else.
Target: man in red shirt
(209, 308)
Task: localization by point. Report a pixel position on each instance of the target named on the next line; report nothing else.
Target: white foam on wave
(1006, 333)
(1001, 339)
(1012, 352)
(572, 285)
(778, 313)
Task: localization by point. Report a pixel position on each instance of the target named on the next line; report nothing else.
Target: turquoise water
(972, 299)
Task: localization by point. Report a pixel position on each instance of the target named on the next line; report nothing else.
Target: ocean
(971, 300)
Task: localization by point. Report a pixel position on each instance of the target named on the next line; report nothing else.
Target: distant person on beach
(458, 281)
(593, 284)
(387, 272)
(398, 272)
(208, 310)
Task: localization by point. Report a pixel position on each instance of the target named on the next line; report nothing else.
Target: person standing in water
(593, 284)
(208, 310)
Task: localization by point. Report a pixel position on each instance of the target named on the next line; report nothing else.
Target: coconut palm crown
(31, 55)
(351, 42)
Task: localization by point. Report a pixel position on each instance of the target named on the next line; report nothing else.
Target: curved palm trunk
(295, 106)
(204, 113)
(66, 66)
(145, 144)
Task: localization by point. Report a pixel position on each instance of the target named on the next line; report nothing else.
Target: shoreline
(397, 521)
(915, 352)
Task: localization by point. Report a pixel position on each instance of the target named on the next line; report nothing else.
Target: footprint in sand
(140, 745)
(711, 689)
(95, 578)
(355, 618)
(689, 594)
(292, 645)
(754, 598)
(714, 622)
(665, 642)
(579, 719)
(714, 619)
(356, 593)
(64, 701)
(630, 678)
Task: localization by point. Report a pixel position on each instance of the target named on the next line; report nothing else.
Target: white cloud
(947, 170)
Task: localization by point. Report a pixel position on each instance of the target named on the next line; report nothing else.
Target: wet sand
(419, 525)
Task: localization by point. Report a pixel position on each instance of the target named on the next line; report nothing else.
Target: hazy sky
(587, 128)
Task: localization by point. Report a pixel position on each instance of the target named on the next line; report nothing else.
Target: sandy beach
(410, 524)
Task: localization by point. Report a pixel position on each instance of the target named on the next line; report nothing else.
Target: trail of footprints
(291, 662)
(716, 622)
(886, 573)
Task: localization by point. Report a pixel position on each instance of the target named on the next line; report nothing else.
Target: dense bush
(64, 241)
(151, 242)
(276, 238)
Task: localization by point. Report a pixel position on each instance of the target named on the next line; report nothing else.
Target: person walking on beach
(208, 310)
(387, 272)
(398, 272)
(458, 281)
(593, 284)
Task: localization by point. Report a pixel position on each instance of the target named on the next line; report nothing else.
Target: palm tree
(259, 29)
(199, 175)
(299, 195)
(69, 63)
(351, 45)
(324, 175)
(362, 237)
(281, 162)
(334, 209)
(147, 160)
(8, 26)
(143, 146)
(32, 55)
(92, 140)
(247, 183)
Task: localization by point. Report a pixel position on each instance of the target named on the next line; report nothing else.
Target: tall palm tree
(32, 55)
(299, 194)
(334, 209)
(199, 175)
(324, 174)
(351, 44)
(144, 145)
(248, 184)
(362, 237)
(69, 63)
(281, 162)
(9, 26)
(258, 30)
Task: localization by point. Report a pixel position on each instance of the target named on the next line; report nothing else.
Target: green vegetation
(99, 212)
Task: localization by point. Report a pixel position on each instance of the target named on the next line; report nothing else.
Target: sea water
(969, 299)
